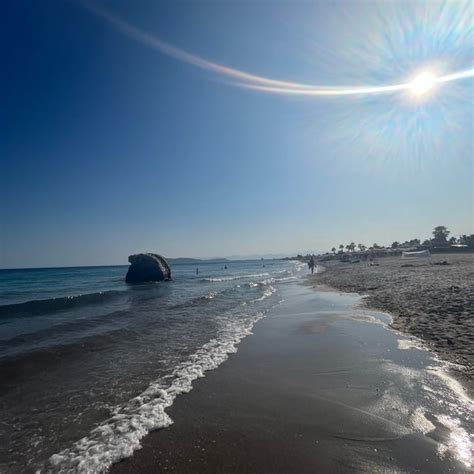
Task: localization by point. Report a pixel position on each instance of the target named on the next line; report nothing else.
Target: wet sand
(431, 301)
(319, 387)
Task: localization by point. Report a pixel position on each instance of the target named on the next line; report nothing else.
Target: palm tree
(341, 247)
(333, 250)
(352, 246)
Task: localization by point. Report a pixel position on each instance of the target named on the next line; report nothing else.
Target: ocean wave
(299, 266)
(268, 292)
(120, 436)
(70, 330)
(205, 298)
(30, 363)
(211, 295)
(273, 280)
(235, 277)
(46, 306)
(268, 282)
(288, 272)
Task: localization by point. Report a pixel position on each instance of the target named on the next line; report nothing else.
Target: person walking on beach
(311, 264)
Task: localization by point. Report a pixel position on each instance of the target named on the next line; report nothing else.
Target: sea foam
(236, 277)
(119, 436)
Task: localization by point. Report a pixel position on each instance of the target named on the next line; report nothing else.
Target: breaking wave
(119, 436)
(51, 305)
(236, 277)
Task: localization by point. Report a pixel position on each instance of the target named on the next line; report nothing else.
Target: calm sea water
(88, 364)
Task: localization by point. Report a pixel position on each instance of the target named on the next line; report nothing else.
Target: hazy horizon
(230, 257)
(125, 130)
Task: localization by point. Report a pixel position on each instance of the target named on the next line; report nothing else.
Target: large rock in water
(147, 267)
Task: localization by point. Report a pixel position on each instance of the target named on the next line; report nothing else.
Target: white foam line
(236, 277)
(265, 295)
(119, 436)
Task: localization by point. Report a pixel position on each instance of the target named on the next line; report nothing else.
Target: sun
(422, 84)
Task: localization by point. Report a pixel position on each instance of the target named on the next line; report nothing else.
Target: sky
(111, 146)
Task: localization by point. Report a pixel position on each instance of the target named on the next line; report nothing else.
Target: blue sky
(109, 147)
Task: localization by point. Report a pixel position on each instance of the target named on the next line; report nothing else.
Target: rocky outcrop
(147, 267)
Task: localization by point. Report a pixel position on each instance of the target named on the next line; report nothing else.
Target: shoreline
(320, 385)
(430, 301)
(120, 354)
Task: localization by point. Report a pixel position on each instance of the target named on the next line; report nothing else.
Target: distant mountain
(184, 260)
(266, 256)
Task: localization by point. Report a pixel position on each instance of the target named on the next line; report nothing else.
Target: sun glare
(422, 83)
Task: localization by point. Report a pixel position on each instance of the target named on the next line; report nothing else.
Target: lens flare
(419, 86)
(423, 83)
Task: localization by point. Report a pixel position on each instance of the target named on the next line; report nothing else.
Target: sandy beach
(321, 386)
(194, 194)
(432, 301)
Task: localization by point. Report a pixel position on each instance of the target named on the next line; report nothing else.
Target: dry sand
(431, 301)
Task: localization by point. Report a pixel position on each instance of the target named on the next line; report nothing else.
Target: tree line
(440, 239)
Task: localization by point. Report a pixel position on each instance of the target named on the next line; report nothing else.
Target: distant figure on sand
(311, 264)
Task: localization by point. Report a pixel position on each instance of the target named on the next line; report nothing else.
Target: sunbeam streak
(421, 84)
(414, 86)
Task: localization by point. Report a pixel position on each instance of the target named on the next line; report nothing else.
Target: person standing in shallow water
(197, 271)
(311, 264)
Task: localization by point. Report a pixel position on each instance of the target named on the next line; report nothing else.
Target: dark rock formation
(147, 267)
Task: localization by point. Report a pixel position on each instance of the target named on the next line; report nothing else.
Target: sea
(89, 365)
